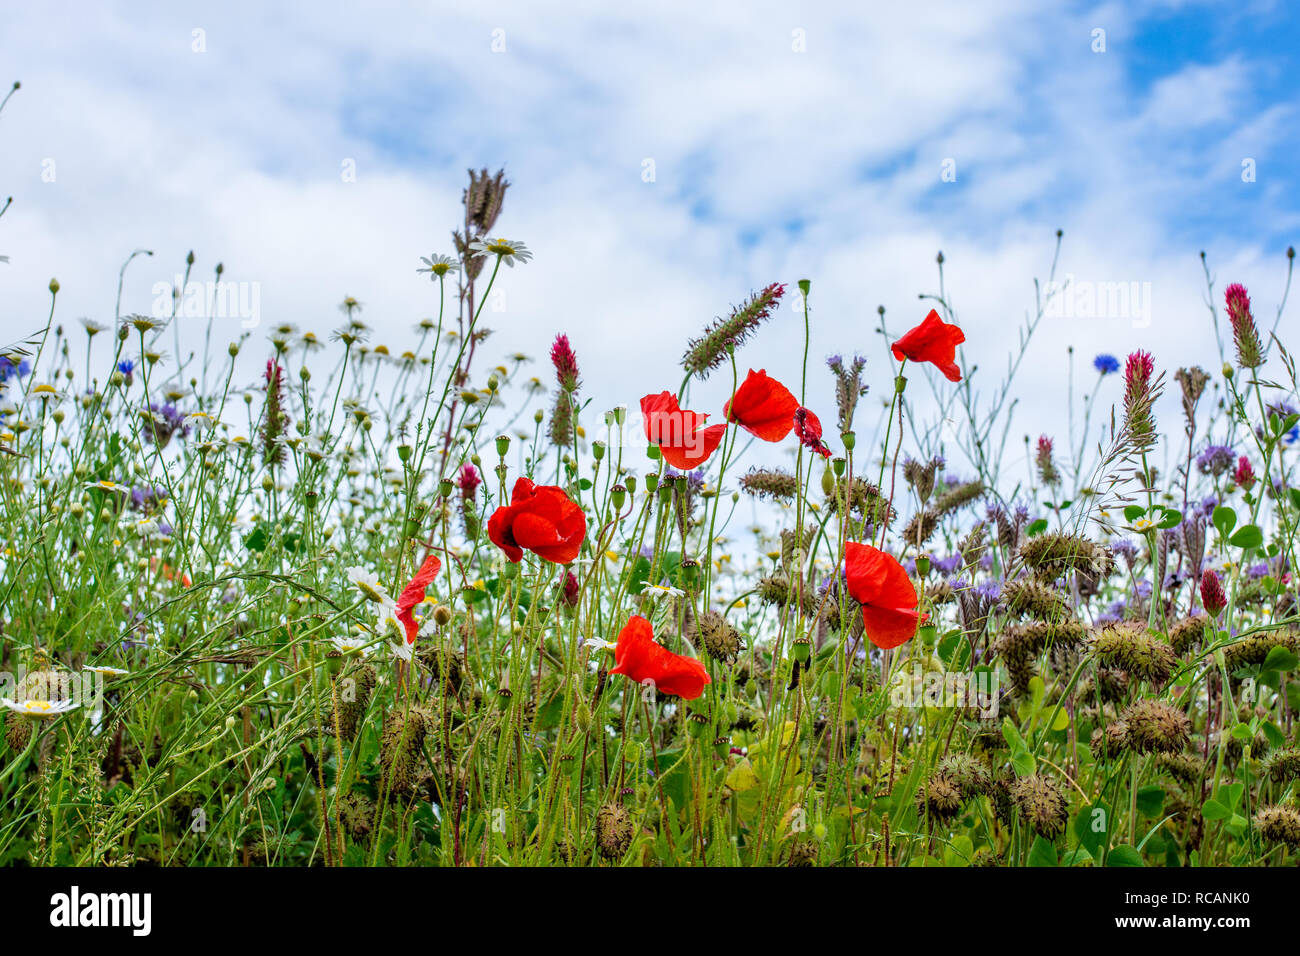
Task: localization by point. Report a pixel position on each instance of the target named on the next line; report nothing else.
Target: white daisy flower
(367, 582)
(200, 421)
(39, 709)
(106, 671)
(351, 644)
(437, 265)
(510, 250)
(666, 589)
(599, 644)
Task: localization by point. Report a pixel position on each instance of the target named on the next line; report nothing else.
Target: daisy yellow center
(37, 705)
(370, 591)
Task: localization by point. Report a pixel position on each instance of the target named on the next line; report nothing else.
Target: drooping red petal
(413, 594)
(679, 433)
(500, 534)
(762, 406)
(933, 341)
(880, 584)
(808, 429)
(640, 658)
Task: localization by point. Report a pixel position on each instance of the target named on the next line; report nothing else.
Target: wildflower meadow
(363, 590)
(407, 605)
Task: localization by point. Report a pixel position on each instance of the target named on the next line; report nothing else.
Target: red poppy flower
(541, 519)
(808, 429)
(878, 582)
(762, 406)
(413, 594)
(678, 432)
(637, 657)
(932, 341)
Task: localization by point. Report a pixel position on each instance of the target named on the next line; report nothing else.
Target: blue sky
(772, 163)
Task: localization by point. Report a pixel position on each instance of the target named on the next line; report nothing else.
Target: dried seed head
(1042, 802)
(400, 748)
(613, 831)
(719, 639)
(971, 774)
(1279, 824)
(1029, 597)
(1129, 647)
(773, 483)
(940, 797)
(1156, 727)
(1283, 766)
(1051, 555)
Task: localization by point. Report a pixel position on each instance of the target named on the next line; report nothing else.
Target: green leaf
(1249, 536)
(1224, 520)
(1171, 519)
(1023, 763)
(1150, 801)
(1133, 512)
(1042, 853)
(1036, 527)
(1280, 659)
(1092, 827)
(1213, 810)
(1124, 856)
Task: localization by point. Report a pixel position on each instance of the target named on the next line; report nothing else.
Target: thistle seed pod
(940, 797)
(613, 831)
(719, 639)
(1026, 596)
(1042, 803)
(1156, 727)
(400, 748)
(1130, 648)
(774, 484)
(1279, 824)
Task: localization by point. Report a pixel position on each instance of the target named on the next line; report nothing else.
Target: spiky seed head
(613, 831)
(1157, 727)
(1041, 801)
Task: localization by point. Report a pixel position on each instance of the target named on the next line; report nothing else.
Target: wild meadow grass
(411, 606)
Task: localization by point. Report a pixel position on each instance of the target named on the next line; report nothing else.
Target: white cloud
(236, 152)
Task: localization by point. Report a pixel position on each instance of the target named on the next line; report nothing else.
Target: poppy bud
(233, 349)
(1227, 370)
(510, 571)
(442, 615)
(850, 439)
(802, 649)
(404, 452)
(503, 445)
(900, 383)
(922, 565)
(665, 493)
(539, 416)
(630, 482)
(617, 496)
(444, 488)
(690, 573)
(652, 452)
(504, 695)
(598, 450)
(651, 483)
(839, 464)
(54, 286)
(828, 482)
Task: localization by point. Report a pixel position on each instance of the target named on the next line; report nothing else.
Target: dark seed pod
(1279, 824)
(1042, 802)
(1156, 727)
(1130, 648)
(613, 831)
(1283, 765)
(940, 797)
(969, 773)
(400, 748)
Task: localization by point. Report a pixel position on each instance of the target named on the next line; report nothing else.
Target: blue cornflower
(7, 368)
(1106, 364)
